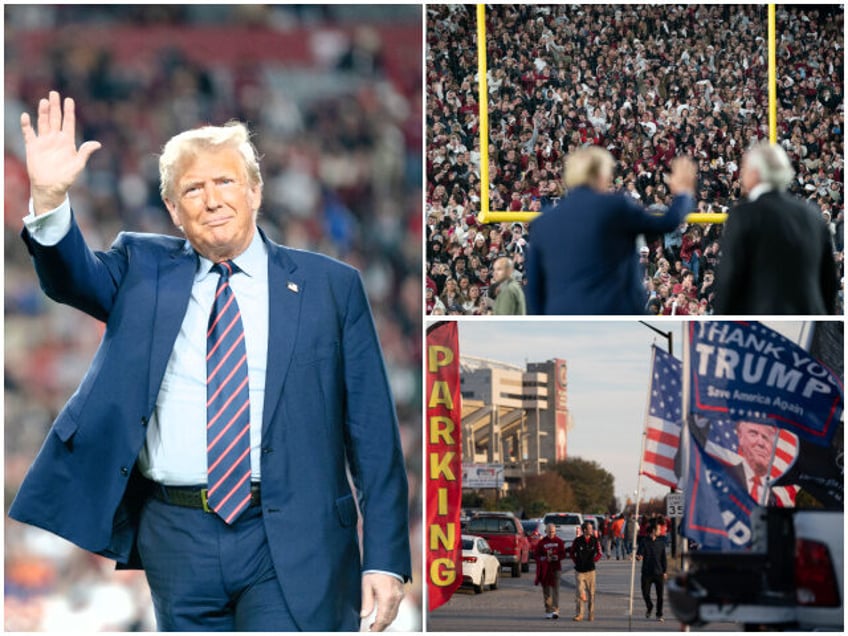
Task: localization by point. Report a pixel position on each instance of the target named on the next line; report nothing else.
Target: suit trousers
(585, 585)
(207, 576)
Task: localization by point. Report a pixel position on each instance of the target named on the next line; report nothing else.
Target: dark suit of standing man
(582, 257)
(776, 255)
(123, 470)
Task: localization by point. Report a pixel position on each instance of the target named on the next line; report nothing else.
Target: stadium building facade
(514, 416)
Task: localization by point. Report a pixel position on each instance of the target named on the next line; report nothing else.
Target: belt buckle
(204, 493)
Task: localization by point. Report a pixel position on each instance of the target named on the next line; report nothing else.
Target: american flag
(722, 443)
(665, 414)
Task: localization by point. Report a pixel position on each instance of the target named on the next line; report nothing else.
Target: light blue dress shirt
(174, 452)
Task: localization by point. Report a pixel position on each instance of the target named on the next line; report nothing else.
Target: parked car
(791, 578)
(568, 526)
(506, 537)
(479, 566)
(535, 530)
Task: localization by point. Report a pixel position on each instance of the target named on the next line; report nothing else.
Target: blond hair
(186, 145)
(585, 165)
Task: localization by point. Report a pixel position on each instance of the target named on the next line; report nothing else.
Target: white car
(479, 566)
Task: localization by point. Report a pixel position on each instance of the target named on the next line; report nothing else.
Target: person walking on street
(629, 533)
(618, 536)
(585, 552)
(550, 551)
(642, 530)
(654, 569)
(606, 535)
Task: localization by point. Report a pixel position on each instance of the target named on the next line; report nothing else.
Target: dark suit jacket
(737, 471)
(776, 258)
(327, 404)
(582, 257)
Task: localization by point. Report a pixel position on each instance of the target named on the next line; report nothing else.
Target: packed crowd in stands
(645, 82)
(340, 135)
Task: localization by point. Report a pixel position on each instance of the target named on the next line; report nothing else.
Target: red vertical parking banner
(444, 464)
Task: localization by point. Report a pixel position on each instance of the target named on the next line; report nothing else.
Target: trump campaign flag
(717, 509)
(718, 437)
(444, 464)
(819, 471)
(720, 440)
(747, 372)
(662, 428)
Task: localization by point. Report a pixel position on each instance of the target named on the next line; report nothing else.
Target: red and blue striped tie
(227, 403)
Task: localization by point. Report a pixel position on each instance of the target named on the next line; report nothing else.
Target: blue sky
(608, 373)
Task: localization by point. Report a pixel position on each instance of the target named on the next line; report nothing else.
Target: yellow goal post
(486, 215)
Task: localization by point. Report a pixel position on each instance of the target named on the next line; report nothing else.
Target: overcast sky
(608, 373)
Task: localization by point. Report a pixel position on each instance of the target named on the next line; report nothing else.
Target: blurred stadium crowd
(333, 95)
(645, 82)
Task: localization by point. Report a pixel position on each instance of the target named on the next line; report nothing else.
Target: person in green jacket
(507, 292)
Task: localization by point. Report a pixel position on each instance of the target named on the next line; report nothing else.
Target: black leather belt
(195, 496)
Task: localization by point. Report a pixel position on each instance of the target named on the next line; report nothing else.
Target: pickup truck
(506, 537)
(792, 578)
(567, 526)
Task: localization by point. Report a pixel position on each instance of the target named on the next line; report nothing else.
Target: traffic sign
(674, 505)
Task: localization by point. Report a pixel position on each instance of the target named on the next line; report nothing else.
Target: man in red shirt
(550, 551)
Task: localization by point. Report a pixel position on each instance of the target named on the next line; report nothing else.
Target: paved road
(517, 606)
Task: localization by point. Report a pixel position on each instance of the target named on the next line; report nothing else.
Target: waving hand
(53, 160)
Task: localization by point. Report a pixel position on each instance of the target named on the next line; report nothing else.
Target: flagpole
(685, 392)
(639, 486)
(669, 336)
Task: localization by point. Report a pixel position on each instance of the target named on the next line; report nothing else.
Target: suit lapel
(285, 293)
(173, 290)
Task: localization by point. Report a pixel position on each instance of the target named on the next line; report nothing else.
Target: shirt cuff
(51, 227)
(397, 576)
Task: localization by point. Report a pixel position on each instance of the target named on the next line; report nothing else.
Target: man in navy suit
(582, 255)
(125, 470)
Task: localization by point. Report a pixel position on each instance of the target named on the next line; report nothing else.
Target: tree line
(574, 484)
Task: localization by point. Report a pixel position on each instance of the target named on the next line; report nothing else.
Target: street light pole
(668, 335)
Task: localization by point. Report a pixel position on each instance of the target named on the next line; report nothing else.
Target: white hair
(772, 164)
(186, 145)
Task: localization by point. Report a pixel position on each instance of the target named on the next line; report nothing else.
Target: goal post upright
(483, 102)
(772, 74)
